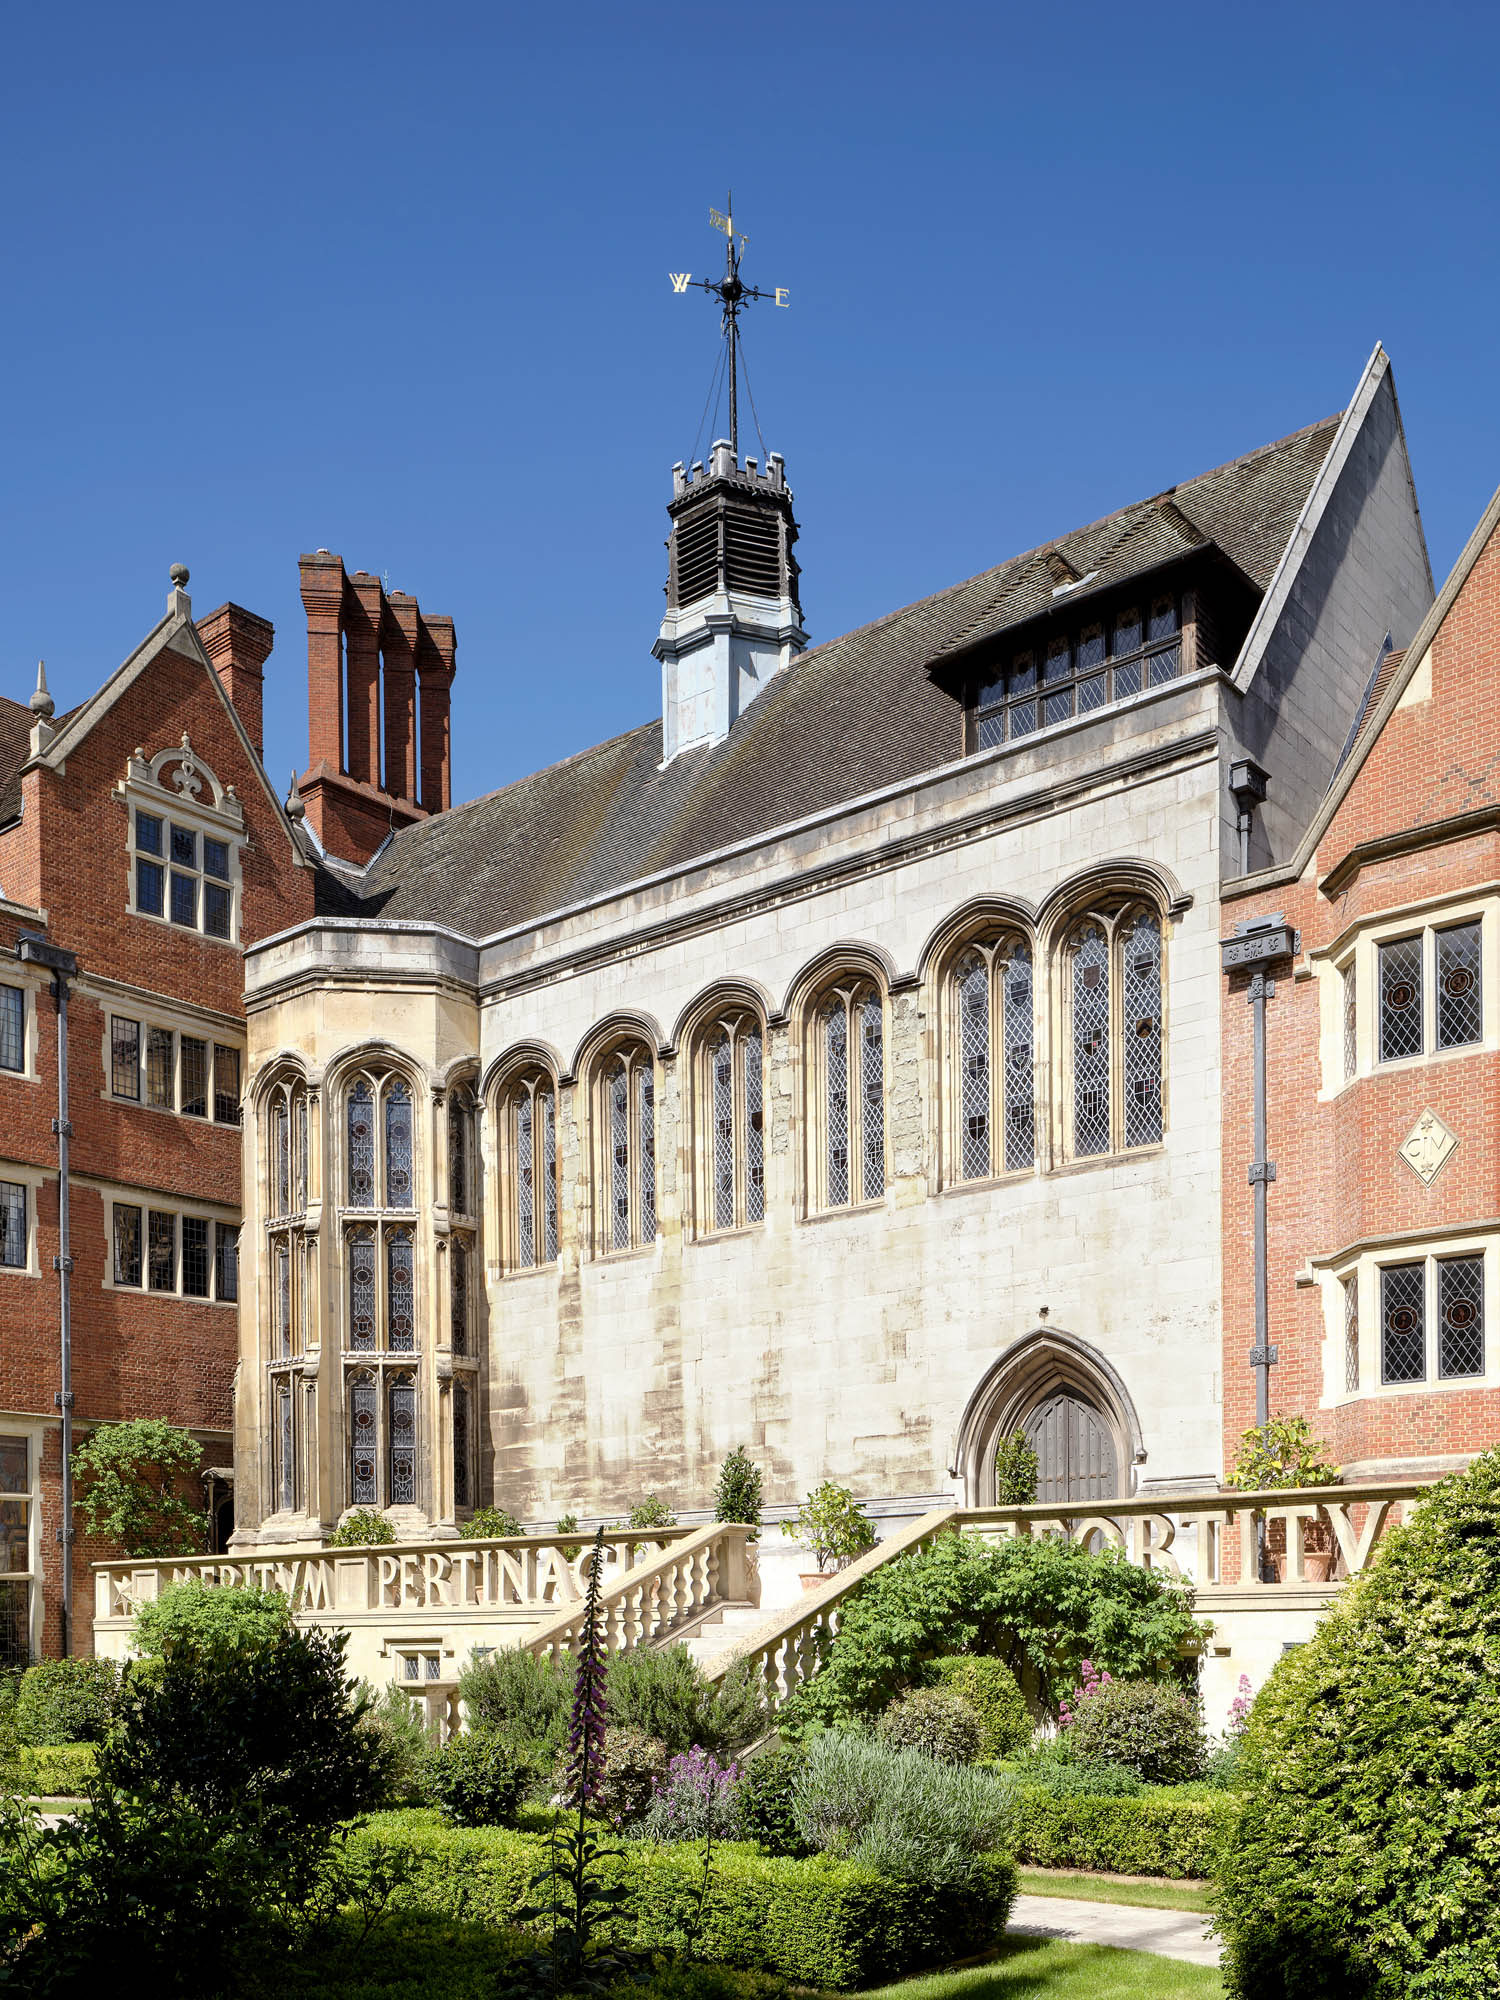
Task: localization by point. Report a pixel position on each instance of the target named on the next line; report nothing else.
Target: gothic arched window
(991, 1073)
(731, 1177)
(625, 1149)
(528, 1130)
(291, 1254)
(1113, 998)
(846, 1114)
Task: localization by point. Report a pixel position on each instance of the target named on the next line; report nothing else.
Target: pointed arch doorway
(1074, 1407)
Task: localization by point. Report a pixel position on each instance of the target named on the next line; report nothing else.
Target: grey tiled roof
(15, 741)
(846, 718)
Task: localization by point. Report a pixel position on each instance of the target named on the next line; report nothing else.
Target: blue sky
(392, 281)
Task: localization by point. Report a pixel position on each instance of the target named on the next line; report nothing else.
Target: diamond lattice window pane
(1460, 1009)
(361, 1129)
(525, 1180)
(1403, 1327)
(1142, 1011)
(616, 1084)
(872, 1087)
(547, 1110)
(755, 1153)
(1460, 1316)
(1400, 999)
(1351, 1023)
(1020, 1126)
(1090, 1042)
(836, 1108)
(721, 1060)
(972, 983)
(1351, 1334)
(646, 1123)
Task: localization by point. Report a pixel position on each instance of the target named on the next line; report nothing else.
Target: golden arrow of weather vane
(731, 292)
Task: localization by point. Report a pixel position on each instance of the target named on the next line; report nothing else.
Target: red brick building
(139, 832)
(1383, 1065)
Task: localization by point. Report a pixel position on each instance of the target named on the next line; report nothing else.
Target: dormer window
(185, 831)
(1075, 672)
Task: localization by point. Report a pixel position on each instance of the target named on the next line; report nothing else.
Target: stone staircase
(719, 1633)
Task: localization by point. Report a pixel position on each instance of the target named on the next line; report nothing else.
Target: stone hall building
(831, 1065)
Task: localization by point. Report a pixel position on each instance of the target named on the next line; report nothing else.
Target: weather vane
(732, 295)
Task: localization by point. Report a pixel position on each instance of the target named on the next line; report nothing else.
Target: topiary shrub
(762, 1803)
(479, 1778)
(490, 1524)
(1041, 1606)
(1368, 1844)
(525, 1698)
(935, 1721)
(1153, 1730)
(363, 1528)
(739, 1492)
(67, 1701)
(993, 1692)
(200, 1614)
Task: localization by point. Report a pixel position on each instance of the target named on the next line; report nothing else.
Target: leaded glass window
(1074, 673)
(161, 1251)
(1091, 1080)
(124, 1058)
(403, 1442)
(529, 1125)
(364, 1443)
(462, 1483)
(460, 1131)
(159, 1067)
(226, 1262)
(731, 1136)
(281, 1159)
(994, 1081)
(362, 1290)
(1142, 1031)
(458, 1294)
(1351, 1022)
(625, 1114)
(127, 1244)
(361, 1141)
(398, 1147)
(848, 1121)
(197, 1261)
(226, 1085)
(13, 1225)
(12, 1028)
(1460, 1316)
(1403, 1323)
(1460, 1009)
(285, 1445)
(1400, 999)
(401, 1311)
(1351, 1334)
(193, 1076)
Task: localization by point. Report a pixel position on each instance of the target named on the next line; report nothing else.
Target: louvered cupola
(733, 617)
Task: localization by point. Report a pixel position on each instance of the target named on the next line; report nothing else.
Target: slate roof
(847, 718)
(15, 741)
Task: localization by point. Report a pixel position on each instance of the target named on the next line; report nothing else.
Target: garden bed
(819, 1922)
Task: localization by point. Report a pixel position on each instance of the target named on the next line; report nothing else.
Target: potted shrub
(1284, 1453)
(830, 1522)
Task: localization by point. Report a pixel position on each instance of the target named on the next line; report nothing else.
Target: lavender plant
(695, 1803)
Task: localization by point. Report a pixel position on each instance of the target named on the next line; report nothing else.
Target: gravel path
(1169, 1933)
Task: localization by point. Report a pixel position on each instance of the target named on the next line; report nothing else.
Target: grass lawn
(1041, 1969)
(1109, 1889)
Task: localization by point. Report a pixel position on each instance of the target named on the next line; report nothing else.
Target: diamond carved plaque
(1428, 1147)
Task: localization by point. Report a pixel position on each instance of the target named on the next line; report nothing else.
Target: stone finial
(41, 704)
(295, 809)
(179, 575)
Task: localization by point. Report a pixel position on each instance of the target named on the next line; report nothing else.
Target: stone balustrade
(649, 1603)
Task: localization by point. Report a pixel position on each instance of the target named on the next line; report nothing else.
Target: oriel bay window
(528, 1147)
(991, 1072)
(291, 1264)
(1432, 1320)
(846, 1122)
(1429, 991)
(1113, 998)
(382, 1439)
(624, 1125)
(730, 1123)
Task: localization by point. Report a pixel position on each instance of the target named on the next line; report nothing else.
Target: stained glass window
(361, 1146)
(458, 1156)
(286, 1448)
(973, 987)
(1142, 1031)
(1403, 1328)
(281, 1293)
(836, 1109)
(1351, 1023)
(1020, 1130)
(1460, 1009)
(1460, 1316)
(398, 1155)
(400, 1300)
(872, 1090)
(362, 1290)
(281, 1159)
(403, 1443)
(1400, 999)
(364, 1407)
(458, 1294)
(461, 1483)
(299, 1156)
(1351, 1334)
(1090, 997)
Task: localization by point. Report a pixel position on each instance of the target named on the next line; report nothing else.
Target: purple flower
(590, 1698)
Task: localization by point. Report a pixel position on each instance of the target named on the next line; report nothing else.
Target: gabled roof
(15, 740)
(846, 719)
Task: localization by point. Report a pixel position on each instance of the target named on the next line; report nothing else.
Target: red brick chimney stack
(367, 655)
(239, 644)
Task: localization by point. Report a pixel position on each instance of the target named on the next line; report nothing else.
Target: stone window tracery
(290, 1251)
(624, 1126)
(528, 1147)
(730, 1122)
(991, 1069)
(1112, 996)
(845, 1121)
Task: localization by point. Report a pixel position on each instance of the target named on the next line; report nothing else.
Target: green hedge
(1152, 1833)
(54, 1770)
(819, 1922)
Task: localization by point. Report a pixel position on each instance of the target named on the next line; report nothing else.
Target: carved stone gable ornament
(1428, 1147)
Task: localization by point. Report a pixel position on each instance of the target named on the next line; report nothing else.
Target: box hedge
(54, 1770)
(818, 1922)
(1153, 1833)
